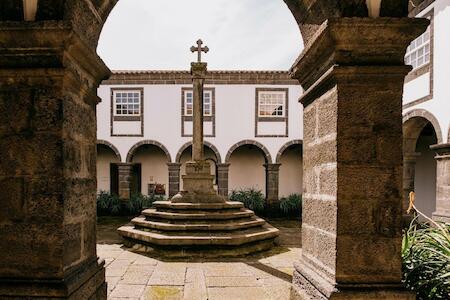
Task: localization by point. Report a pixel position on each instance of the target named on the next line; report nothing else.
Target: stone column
(272, 183)
(125, 174)
(409, 172)
(222, 179)
(174, 178)
(48, 82)
(353, 74)
(442, 212)
(198, 71)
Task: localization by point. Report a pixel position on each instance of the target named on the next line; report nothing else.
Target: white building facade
(253, 131)
(254, 128)
(426, 104)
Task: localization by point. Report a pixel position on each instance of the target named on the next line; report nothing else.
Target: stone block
(72, 243)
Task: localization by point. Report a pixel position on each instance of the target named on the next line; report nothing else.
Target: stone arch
(266, 152)
(111, 146)
(205, 143)
(413, 123)
(285, 146)
(147, 142)
(448, 138)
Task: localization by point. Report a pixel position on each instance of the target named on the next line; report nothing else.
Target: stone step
(194, 253)
(197, 206)
(141, 222)
(153, 213)
(199, 238)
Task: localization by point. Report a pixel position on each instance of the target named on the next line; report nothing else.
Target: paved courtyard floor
(262, 276)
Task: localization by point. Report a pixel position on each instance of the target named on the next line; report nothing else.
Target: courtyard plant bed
(109, 204)
(289, 207)
(426, 258)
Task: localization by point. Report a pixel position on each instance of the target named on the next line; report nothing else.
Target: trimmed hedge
(110, 205)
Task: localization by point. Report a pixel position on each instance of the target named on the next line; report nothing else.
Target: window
(271, 104)
(189, 103)
(127, 103)
(418, 53)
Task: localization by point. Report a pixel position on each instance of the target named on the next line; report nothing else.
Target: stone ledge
(199, 238)
(197, 216)
(200, 206)
(233, 225)
(86, 280)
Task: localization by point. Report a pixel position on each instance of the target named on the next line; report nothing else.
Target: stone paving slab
(135, 276)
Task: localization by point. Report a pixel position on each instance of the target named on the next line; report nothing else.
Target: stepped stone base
(221, 229)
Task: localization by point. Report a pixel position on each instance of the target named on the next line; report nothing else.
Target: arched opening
(107, 159)
(77, 248)
(419, 164)
(425, 175)
(247, 168)
(291, 170)
(211, 155)
(150, 171)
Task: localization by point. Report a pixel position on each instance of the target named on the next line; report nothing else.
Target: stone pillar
(222, 179)
(48, 82)
(442, 212)
(272, 183)
(409, 172)
(198, 71)
(174, 178)
(125, 175)
(353, 74)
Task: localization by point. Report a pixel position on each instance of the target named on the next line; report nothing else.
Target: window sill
(127, 118)
(418, 72)
(272, 119)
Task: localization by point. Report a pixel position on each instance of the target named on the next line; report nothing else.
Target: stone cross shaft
(198, 71)
(199, 49)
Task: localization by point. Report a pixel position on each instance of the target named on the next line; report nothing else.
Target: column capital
(356, 41)
(442, 150)
(198, 70)
(411, 157)
(124, 165)
(272, 167)
(174, 165)
(223, 166)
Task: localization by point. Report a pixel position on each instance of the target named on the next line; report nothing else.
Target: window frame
(272, 92)
(127, 115)
(206, 117)
(185, 103)
(410, 52)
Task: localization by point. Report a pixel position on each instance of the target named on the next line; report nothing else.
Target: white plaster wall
(104, 158)
(127, 127)
(247, 170)
(153, 167)
(271, 128)
(425, 176)
(235, 117)
(417, 88)
(291, 172)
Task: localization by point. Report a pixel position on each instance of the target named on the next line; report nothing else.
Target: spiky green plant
(108, 204)
(252, 198)
(291, 205)
(426, 258)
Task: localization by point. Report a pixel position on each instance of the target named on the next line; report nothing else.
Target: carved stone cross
(199, 49)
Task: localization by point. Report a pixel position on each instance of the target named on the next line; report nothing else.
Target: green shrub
(139, 202)
(108, 204)
(291, 205)
(253, 199)
(426, 259)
